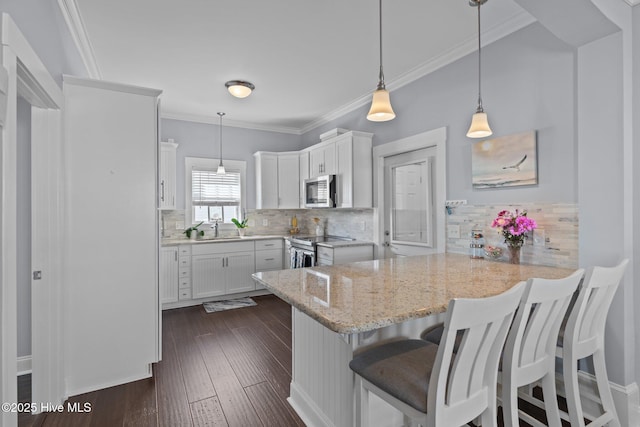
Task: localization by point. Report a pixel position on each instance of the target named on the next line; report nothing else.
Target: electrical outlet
(453, 231)
(454, 203)
(251, 223)
(179, 225)
(265, 222)
(362, 225)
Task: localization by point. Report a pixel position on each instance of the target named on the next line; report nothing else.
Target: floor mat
(230, 304)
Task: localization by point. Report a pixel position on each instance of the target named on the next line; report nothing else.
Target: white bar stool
(428, 382)
(529, 353)
(584, 336)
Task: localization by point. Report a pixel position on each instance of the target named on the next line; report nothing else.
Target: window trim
(211, 163)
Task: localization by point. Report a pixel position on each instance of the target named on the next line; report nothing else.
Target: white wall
(202, 140)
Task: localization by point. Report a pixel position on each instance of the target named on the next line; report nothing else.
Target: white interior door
(409, 203)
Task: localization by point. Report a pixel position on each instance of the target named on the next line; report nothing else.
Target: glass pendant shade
(221, 170)
(381, 110)
(479, 126)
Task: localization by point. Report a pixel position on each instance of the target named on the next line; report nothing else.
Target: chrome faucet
(215, 227)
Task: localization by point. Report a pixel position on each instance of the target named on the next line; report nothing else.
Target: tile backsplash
(354, 223)
(554, 242)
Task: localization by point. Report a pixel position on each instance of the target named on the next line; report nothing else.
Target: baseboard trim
(306, 408)
(24, 365)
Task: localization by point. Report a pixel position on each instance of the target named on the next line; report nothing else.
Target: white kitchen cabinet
(169, 274)
(167, 184)
(266, 180)
(322, 159)
(304, 174)
(343, 254)
(222, 268)
(277, 180)
(354, 170)
(269, 256)
(288, 180)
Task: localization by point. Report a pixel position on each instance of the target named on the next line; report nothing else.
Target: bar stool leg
(551, 401)
(604, 387)
(509, 403)
(572, 391)
(362, 404)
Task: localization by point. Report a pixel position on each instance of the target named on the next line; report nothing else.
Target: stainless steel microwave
(320, 192)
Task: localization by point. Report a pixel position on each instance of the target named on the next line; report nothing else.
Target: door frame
(28, 77)
(433, 138)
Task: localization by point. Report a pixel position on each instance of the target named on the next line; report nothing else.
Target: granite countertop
(345, 243)
(185, 241)
(369, 295)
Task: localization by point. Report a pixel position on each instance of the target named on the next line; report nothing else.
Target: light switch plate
(265, 222)
(251, 223)
(453, 231)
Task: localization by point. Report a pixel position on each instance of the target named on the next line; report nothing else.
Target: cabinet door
(316, 161)
(304, 174)
(329, 166)
(208, 275)
(288, 184)
(240, 267)
(344, 172)
(167, 190)
(267, 181)
(168, 275)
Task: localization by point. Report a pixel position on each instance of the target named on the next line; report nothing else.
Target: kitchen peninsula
(339, 310)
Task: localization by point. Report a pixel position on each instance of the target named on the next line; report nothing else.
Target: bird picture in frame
(506, 161)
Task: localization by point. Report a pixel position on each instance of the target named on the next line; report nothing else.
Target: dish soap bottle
(294, 222)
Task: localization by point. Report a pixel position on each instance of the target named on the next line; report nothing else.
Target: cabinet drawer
(184, 294)
(222, 248)
(184, 282)
(268, 244)
(324, 254)
(184, 261)
(184, 272)
(269, 260)
(184, 250)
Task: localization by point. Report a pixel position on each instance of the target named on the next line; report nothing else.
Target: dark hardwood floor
(231, 368)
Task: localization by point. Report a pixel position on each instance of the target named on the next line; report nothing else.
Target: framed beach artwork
(507, 161)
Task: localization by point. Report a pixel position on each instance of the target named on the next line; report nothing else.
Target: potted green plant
(193, 231)
(241, 225)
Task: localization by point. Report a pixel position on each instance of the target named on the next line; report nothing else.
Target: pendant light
(221, 170)
(479, 123)
(381, 110)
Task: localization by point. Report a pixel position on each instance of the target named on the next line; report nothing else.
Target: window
(211, 197)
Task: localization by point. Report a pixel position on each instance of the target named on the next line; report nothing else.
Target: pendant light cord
(479, 109)
(220, 126)
(381, 84)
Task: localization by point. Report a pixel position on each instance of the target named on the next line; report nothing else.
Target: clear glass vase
(514, 254)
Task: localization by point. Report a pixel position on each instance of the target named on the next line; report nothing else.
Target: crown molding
(517, 22)
(227, 122)
(72, 17)
(632, 2)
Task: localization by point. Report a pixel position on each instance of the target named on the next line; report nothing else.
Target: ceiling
(310, 60)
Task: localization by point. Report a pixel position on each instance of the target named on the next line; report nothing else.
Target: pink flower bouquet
(514, 227)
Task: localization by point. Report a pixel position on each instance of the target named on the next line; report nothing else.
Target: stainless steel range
(302, 249)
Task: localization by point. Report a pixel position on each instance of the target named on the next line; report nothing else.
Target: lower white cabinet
(269, 256)
(168, 274)
(222, 268)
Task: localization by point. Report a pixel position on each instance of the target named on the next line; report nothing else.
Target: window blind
(211, 189)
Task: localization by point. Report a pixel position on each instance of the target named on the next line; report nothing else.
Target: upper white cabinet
(322, 159)
(277, 180)
(354, 170)
(167, 184)
(304, 174)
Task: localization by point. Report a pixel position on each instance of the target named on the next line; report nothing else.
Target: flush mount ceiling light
(381, 110)
(239, 88)
(479, 123)
(220, 170)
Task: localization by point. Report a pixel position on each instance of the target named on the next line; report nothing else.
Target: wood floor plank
(273, 345)
(273, 410)
(141, 404)
(173, 406)
(208, 413)
(235, 403)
